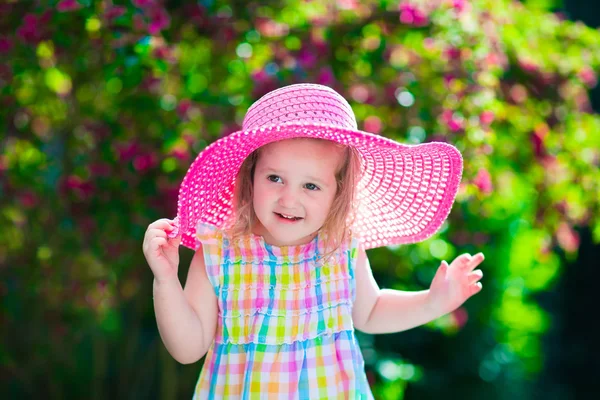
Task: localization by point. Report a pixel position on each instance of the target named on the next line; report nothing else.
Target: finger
(440, 274)
(475, 288)
(443, 268)
(162, 223)
(158, 242)
(475, 261)
(475, 276)
(462, 261)
(152, 233)
(175, 241)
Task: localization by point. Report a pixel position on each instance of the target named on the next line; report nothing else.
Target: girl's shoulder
(208, 235)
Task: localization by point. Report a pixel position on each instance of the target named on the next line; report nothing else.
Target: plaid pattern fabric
(285, 321)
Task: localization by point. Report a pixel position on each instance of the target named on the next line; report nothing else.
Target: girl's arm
(187, 318)
(388, 311)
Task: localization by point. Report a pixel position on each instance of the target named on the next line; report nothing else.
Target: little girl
(280, 215)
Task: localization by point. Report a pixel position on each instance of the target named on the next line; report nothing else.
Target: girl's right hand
(161, 252)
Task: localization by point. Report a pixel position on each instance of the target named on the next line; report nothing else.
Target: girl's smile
(288, 218)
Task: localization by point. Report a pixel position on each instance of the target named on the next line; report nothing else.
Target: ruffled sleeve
(211, 239)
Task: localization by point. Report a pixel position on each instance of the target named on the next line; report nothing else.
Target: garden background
(104, 104)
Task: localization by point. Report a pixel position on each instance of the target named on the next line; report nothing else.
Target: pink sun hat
(405, 192)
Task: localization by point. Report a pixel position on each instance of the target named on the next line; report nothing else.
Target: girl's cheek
(316, 195)
(266, 192)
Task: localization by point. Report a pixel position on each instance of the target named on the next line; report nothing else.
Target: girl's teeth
(287, 217)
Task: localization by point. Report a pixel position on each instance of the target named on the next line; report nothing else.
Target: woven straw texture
(404, 195)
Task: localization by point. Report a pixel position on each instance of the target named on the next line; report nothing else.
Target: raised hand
(453, 284)
(161, 252)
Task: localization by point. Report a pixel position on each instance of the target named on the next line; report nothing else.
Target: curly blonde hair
(335, 229)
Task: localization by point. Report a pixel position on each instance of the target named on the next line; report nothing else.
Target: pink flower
(537, 140)
(164, 53)
(429, 43)
(359, 93)
(28, 199)
(138, 23)
(227, 33)
(5, 45)
(82, 189)
(528, 66)
(144, 162)
(270, 28)
(411, 15)
(456, 125)
(551, 164)
(460, 317)
(518, 93)
(189, 139)
(114, 12)
(448, 79)
(306, 57)
(492, 59)
(452, 53)
(483, 181)
(159, 20)
(486, 117)
(459, 5)
(102, 285)
(183, 107)
(260, 76)
(373, 124)
(567, 238)
(143, 3)
(454, 121)
(446, 115)
(588, 77)
(179, 153)
(347, 4)
(326, 77)
(264, 83)
(30, 30)
(68, 5)
(127, 151)
(151, 83)
(99, 131)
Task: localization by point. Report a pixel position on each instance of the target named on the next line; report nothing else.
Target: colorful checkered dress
(285, 322)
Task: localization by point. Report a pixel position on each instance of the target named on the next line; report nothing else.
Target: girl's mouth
(287, 218)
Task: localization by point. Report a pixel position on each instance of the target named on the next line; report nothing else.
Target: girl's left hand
(453, 284)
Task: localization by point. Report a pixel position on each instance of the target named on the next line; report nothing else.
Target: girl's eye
(311, 186)
(274, 178)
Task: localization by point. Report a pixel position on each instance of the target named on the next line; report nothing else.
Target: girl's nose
(287, 197)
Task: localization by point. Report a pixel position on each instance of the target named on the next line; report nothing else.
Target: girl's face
(294, 187)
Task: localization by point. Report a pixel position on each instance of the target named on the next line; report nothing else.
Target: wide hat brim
(404, 195)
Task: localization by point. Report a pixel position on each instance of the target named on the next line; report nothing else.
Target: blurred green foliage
(104, 104)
